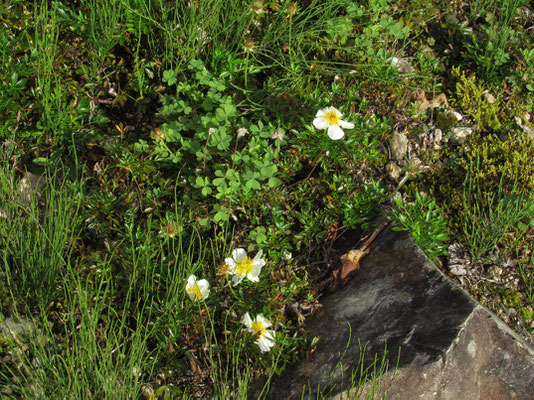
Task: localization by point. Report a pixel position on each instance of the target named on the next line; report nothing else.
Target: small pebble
(458, 271)
(494, 271)
(489, 97)
(457, 115)
(461, 133)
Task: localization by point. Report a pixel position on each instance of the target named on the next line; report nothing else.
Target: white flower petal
(335, 132)
(236, 279)
(335, 110)
(246, 320)
(239, 254)
(231, 263)
(197, 290)
(320, 113)
(258, 255)
(320, 123)
(191, 280)
(254, 273)
(345, 124)
(269, 334)
(266, 341)
(204, 287)
(264, 321)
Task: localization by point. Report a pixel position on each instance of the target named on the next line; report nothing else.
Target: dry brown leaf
(424, 104)
(350, 263)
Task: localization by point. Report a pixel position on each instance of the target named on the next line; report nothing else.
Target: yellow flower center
(258, 328)
(244, 267)
(195, 290)
(331, 118)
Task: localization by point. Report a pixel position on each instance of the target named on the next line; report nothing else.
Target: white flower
(242, 132)
(197, 290)
(330, 118)
(242, 266)
(258, 327)
(277, 134)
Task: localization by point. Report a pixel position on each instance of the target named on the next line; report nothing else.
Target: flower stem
(289, 42)
(246, 70)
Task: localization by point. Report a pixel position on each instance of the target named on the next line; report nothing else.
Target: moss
(510, 297)
(445, 121)
(526, 313)
(490, 159)
(5, 298)
(471, 98)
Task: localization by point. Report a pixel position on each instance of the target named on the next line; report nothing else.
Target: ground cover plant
(175, 177)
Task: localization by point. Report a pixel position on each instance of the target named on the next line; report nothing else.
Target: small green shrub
(424, 220)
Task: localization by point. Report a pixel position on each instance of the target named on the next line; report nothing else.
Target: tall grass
(37, 232)
(90, 335)
(491, 51)
(488, 216)
(106, 25)
(49, 90)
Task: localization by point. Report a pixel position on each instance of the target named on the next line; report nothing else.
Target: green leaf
(253, 184)
(169, 76)
(220, 114)
(41, 161)
(274, 182)
(218, 181)
(221, 216)
(230, 173)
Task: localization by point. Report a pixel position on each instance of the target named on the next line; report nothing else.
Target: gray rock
(29, 187)
(438, 137)
(527, 129)
(458, 270)
(457, 115)
(399, 146)
(450, 346)
(402, 65)
(489, 97)
(461, 134)
(15, 329)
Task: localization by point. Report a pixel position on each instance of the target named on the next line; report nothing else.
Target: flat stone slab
(444, 343)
